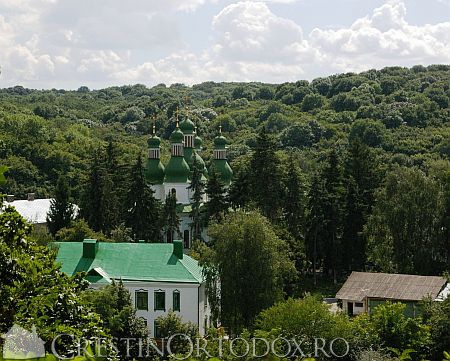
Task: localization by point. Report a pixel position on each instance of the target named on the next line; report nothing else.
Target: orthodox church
(175, 177)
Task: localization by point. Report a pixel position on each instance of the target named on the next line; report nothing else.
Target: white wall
(191, 307)
(183, 194)
(356, 310)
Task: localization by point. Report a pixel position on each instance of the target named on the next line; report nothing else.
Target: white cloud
(55, 43)
(384, 38)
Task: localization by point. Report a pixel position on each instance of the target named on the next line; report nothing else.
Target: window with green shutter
(160, 300)
(141, 300)
(176, 300)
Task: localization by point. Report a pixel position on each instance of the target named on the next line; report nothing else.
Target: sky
(66, 44)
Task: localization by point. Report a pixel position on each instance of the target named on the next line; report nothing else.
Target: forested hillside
(355, 168)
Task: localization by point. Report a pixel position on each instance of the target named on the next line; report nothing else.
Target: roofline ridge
(187, 269)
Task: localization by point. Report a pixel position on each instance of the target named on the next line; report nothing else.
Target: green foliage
(217, 204)
(36, 292)
(61, 210)
(113, 304)
(197, 188)
(247, 249)
(143, 211)
(401, 236)
(388, 327)
(294, 319)
(170, 217)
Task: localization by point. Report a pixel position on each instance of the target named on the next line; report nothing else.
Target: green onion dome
(200, 162)
(154, 142)
(177, 170)
(176, 136)
(154, 171)
(187, 126)
(222, 167)
(220, 142)
(198, 142)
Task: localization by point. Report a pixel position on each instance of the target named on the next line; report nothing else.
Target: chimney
(10, 198)
(90, 248)
(178, 248)
(31, 196)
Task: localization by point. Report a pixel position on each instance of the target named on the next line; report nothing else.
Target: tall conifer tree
(197, 187)
(92, 202)
(61, 210)
(294, 202)
(171, 219)
(266, 182)
(143, 210)
(217, 204)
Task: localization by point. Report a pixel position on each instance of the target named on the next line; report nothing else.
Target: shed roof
(148, 262)
(390, 286)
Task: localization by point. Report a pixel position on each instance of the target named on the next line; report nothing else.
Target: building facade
(159, 277)
(175, 176)
(363, 291)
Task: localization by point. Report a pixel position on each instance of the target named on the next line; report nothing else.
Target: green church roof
(187, 126)
(154, 142)
(154, 171)
(177, 136)
(198, 142)
(152, 262)
(220, 142)
(177, 170)
(223, 168)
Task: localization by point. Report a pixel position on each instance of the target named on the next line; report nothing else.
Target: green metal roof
(154, 141)
(224, 170)
(176, 136)
(187, 126)
(220, 142)
(154, 171)
(177, 170)
(151, 262)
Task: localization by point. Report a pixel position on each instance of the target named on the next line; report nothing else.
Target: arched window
(186, 239)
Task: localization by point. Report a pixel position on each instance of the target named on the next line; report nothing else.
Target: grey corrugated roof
(390, 286)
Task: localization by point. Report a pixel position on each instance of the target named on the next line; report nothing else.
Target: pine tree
(113, 189)
(171, 219)
(266, 182)
(197, 187)
(362, 180)
(315, 223)
(294, 202)
(239, 192)
(332, 177)
(143, 210)
(61, 210)
(354, 256)
(92, 203)
(217, 204)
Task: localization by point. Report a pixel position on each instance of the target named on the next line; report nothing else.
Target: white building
(33, 210)
(175, 177)
(159, 276)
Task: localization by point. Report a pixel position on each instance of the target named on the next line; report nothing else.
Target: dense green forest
(348, 172)
(348, 162)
